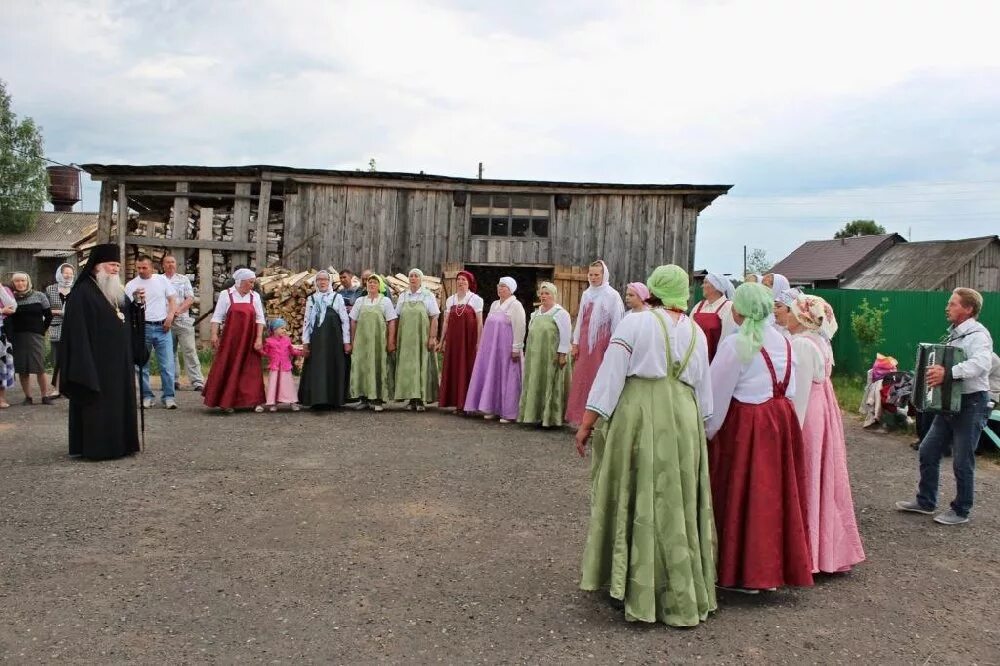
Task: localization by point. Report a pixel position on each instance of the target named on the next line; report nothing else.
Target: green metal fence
(913, 317)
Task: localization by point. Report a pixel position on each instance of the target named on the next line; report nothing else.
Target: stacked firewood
(285, 294)
(399, 283)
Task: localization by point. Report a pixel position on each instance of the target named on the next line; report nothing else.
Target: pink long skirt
(281, 388)
(585, 367)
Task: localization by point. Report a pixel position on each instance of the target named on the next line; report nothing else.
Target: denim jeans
(163, 345)
(961, 432)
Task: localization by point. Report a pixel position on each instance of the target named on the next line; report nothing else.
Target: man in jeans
(183, 328)
(158, 295)
(959, 431)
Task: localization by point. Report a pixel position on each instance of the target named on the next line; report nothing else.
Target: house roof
(920, 266)
(52, 231)
(258, 171)
(818, 260)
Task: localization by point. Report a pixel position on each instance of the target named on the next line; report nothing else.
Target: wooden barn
(935, 266)
(221, 217)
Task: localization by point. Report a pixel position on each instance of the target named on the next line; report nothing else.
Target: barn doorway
(527, 278)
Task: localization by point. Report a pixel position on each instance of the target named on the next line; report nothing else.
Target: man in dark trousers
(98, 373)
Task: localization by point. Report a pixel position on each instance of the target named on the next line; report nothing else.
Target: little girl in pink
(279, 350)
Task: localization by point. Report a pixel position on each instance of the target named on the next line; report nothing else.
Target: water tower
(64, 187)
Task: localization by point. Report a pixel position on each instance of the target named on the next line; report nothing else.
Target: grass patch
(850, 389)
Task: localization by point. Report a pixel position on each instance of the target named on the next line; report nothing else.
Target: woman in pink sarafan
(601, 309)
(833, 531)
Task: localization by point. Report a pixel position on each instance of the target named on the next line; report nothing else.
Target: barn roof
(920, 266)
(52, 231)
(833, 259)
(257, 171)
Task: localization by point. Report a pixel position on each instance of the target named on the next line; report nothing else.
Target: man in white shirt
(158, 295)
(959, 431)
(183, 328)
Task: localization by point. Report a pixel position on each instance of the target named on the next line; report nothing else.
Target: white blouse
(222, 306)
(637, 349)
(388, 311)
(810, 367)
(722, 307)
(563, 323)
(338, 306)
(428, 299)
(747, 382)
(474, 301)
(515, 311)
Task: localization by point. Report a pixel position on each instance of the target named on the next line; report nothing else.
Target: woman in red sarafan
(463, 326)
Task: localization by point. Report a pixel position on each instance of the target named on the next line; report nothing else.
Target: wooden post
(263, 213)
(206, 284)
(179, 229)
(122, 221)
(241, 221)
(105, 211)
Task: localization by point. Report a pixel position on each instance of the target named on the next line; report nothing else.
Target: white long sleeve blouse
(723, 307)
(563, 323)
(515, 311)
(638, 349)
(747, 382)
(388, 311)
(222, 306)
(339, 306)
(810, 367)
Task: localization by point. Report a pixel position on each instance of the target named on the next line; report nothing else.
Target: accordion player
(945, 398)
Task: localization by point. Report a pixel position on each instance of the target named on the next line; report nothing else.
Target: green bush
(868, 326)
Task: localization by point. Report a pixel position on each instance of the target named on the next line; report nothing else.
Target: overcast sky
(817, 112)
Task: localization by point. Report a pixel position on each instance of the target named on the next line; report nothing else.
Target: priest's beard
(111, 287)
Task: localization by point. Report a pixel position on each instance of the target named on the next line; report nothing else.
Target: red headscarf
(470, 278)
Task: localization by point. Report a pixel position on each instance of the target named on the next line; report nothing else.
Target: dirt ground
(356, 537)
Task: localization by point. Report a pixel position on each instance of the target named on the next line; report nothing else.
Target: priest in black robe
(98, 373)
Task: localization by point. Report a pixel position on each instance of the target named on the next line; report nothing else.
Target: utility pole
(480, 171)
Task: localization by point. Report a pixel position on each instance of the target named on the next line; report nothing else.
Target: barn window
(510, 215)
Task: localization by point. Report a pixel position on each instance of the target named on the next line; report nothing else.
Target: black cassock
(97, 375)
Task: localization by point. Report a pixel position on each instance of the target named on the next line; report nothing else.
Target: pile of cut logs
(399, 283)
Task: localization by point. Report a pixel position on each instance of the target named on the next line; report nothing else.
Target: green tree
(868, 326)
(758, 261)
(860, 228)
(24, 184)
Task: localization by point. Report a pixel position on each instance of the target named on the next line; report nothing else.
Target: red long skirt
(459, 357)
(758, 478)
(235, 379)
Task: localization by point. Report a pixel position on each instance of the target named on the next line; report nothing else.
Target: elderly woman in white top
(416, 360)
(235, 379)
(495, 389)
(714, 313)
(326, 341)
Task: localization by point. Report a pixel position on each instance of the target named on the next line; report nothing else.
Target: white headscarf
(721, 283)
(243, 274)
(780, 285)
(510, 282)
(59, 276)
(788, 296)
(607, 309)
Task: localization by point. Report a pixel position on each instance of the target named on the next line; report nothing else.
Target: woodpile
(285, 294)
(399, 283)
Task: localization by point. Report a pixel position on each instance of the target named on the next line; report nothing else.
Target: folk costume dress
(651, 539)
(601, 308)
(834, 541)
(326, 329)
(757, 468)
(716, 317)
(544, 387)
(416, 366)
(370, 364)
(280, 383)
(235, 378)
(461, 340)
(495, 388)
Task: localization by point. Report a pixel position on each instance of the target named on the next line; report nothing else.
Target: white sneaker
(296, 407)
(378, 408)
(170, 403)
(147, 403)
(259, 409)
(504, 421)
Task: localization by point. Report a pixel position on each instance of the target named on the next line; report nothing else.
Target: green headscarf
(381, 284)
(755, 303)
(551, 288)
(670, 284)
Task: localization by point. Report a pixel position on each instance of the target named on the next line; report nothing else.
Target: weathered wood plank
(122, 221)
(222, 196)
(206, 287)
(443, 208)
(241, 221)
(353, 220)
(105, 211)
(179, 225)
(195, 244)
(263, 215)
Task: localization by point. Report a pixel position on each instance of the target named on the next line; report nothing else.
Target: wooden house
(940, 265)
(391, 222)
(50, 242)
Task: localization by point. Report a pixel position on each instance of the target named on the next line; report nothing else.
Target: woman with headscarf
(373, 332)
(416, 358)
(714, 313)
(235, 380)
(834, 541)
(27, 326)
(782, 303)
(755, 448)
(8, 306)
(495, 388)
(326, 341)
(651, 537)
(776, 282)
(601, 309)
(460, 334)
(636, 295)
(546, 371)
(57, 293)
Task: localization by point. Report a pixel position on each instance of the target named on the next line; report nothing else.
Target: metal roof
(834, 259)
(920, 266)
(104, 171)
(52, 231)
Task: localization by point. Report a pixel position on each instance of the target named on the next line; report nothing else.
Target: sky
(817, 112)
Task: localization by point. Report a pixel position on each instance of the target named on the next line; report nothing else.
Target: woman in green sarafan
(546, 367)
(651, 540)
(373, 332)
(416, 359)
